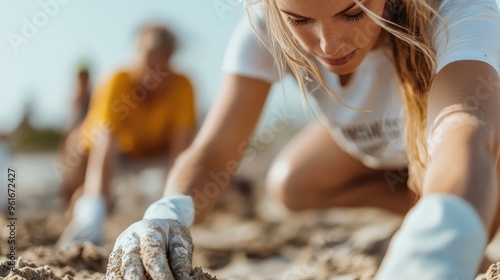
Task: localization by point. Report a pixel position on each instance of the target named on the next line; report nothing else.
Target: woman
(439, 60)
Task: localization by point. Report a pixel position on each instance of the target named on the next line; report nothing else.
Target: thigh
(312, 171)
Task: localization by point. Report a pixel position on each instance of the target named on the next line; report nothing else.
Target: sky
(43, 42)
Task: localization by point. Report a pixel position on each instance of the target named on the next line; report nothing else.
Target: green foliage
(35, 140)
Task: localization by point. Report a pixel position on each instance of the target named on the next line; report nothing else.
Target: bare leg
(313, 172)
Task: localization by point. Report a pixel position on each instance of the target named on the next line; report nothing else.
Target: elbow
(467, 131)
(486, 136)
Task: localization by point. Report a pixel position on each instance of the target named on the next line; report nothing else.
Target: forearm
(204, 169)
(203, 176)
(181, 141)
(464, 164)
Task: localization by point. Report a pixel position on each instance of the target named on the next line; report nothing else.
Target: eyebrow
(341, 12)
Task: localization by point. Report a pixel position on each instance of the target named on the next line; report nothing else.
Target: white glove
(87, 222)
(441, 238)
(178, 207)
(160, 245)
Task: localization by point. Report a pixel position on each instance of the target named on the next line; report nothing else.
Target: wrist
(179, 207)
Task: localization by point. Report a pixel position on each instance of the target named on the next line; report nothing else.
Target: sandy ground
(247, 237)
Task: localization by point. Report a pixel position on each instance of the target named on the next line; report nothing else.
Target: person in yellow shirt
(142, 113)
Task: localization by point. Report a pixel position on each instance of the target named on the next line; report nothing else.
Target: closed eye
(357, 17)
(297, 22)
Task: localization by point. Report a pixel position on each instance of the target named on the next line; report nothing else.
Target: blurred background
(45, 44)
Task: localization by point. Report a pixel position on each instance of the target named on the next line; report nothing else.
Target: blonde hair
(408, 24)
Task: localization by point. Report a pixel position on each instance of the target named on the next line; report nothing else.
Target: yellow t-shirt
(143, 125)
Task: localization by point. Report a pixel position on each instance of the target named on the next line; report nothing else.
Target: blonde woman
(401, 83)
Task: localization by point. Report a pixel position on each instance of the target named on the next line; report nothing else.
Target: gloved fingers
(67, 237)
(131, 263)
(180, 250)
(114, 265)
(153, 250)
(75, 232)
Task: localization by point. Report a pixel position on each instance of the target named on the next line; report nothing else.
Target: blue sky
(42, 42)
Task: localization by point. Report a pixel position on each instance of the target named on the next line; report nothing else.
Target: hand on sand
(86, 223)
(159, 248)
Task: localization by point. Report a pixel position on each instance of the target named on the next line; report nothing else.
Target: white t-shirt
(375, 137)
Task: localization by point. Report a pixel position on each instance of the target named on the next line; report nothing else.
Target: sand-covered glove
(441, 238)
(86, 223)
(159, 246)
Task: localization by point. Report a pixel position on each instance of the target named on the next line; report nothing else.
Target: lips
(339, 61)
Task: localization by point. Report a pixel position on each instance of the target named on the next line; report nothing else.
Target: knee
(283, 185)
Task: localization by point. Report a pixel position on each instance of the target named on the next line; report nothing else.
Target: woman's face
(337, 32)
(151, 54)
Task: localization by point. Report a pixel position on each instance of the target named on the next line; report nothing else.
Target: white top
(375, 137)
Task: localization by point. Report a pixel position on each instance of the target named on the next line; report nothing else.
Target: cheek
(306, 38)
(365, 34)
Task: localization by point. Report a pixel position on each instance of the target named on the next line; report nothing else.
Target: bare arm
(101, 165)
(181, 140)
(464, 127)
(444, 236)
(204, 169)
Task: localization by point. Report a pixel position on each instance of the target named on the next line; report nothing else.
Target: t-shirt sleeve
(474, 32)
(247, 56)
(186, 109)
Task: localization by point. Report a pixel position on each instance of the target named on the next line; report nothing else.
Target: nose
(330, 42)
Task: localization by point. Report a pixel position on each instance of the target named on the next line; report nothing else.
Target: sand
(246, 237)
(239, 240)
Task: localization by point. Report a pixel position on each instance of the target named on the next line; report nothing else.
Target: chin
(340, 70)
(346, 69)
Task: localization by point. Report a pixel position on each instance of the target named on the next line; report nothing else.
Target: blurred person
(79, 109)
(139, 114)
(81, 98)
(428, 58)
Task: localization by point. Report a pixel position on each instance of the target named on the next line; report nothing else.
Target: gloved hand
(441, 238)
(86, 224)
(159, 246)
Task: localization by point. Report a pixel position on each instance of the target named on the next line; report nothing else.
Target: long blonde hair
(408, 23)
